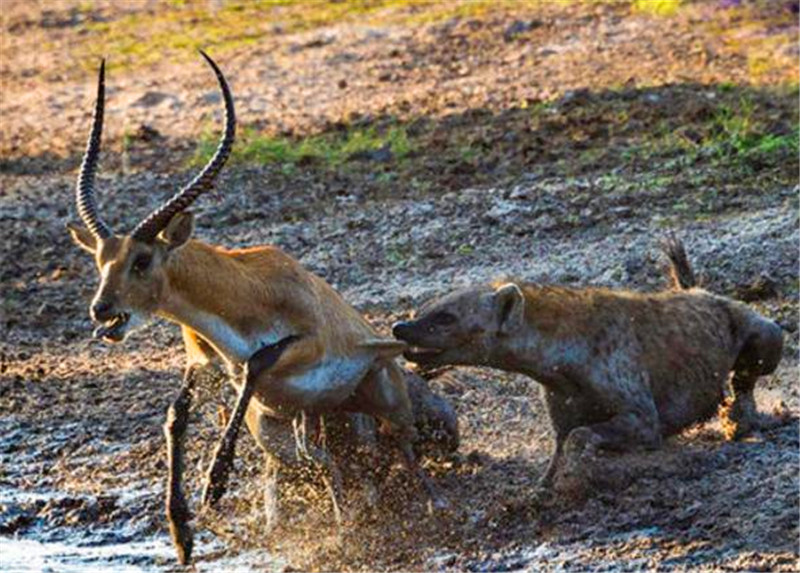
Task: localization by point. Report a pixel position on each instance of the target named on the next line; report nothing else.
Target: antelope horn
(149, 228)
(84, 191)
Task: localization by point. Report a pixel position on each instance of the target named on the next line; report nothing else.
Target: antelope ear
(510, 307)
(178, 230)
(82, 237)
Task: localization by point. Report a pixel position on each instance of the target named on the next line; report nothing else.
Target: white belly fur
(229, 343)
(323, 386)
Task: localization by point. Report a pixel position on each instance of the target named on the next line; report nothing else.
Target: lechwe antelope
(619, 369)
(287, 338)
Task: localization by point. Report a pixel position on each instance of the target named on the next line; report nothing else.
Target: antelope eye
(141, 263)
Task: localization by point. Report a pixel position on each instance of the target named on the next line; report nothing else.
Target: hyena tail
(680, 270)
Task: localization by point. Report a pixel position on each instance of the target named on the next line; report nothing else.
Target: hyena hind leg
(760, 355)
(580, 466)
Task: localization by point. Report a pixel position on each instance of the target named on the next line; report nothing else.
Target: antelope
(289, 342)
(619, 369)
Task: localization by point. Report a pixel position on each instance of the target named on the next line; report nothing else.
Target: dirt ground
(547, 141)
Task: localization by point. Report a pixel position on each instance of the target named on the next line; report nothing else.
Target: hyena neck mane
(552, 343)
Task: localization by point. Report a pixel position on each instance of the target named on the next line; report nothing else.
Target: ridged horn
(150, 227)
(84, 191)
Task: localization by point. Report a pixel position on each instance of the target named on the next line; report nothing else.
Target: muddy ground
(548, 142)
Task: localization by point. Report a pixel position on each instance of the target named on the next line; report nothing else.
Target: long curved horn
(150, 227)
(84, 191)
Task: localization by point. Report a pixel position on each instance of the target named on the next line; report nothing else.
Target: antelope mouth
(113, 330)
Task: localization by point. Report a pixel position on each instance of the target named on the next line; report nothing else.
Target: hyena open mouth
(113, 330)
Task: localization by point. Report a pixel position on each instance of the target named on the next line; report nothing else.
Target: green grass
(174, 30)
(657, 7)
(330, 150)
(735, 132)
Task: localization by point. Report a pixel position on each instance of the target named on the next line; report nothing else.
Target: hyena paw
(581, 442)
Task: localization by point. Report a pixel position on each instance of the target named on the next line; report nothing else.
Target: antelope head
(132, 267)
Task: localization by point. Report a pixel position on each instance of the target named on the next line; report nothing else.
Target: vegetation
(329, 150)
(173, 30)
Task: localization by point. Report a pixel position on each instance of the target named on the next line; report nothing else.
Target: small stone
(151, 99)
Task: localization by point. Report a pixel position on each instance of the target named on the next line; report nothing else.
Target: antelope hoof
(182, 539)
(581, 442)
(181, 533)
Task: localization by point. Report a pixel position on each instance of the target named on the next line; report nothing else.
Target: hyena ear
(510, 307)
(82, 237)
(178, 230)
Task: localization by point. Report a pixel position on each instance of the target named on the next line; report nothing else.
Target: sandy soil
(81, 450)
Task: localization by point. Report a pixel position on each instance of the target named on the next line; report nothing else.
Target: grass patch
(390, 145)
(173, 30)
(657, 7)
(734, 131)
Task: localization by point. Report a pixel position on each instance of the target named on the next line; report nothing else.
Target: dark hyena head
(463, 327)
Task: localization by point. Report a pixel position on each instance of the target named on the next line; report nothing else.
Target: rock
(762, 288)
(151, 99)
(317, 42)
(518, 27)
(147, 133)
(501, 211)
(381, 155)
(210, 98)
(443, 561)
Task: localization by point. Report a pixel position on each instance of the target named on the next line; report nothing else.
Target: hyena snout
(402, 329)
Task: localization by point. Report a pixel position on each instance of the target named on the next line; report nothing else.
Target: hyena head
(463, 327)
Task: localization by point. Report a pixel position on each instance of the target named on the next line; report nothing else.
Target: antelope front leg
(178, 514)
(260, 362)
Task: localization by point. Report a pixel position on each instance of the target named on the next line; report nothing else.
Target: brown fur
(619, 369)
(680, 270)
(231, 305)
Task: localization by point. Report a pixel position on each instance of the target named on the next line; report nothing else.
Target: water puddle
(29, 556)
(40, 544)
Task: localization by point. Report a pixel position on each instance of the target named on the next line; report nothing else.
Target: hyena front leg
(554, 464)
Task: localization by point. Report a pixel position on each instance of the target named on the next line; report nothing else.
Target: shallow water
(23, 555)
(119, 547)
(26, 555)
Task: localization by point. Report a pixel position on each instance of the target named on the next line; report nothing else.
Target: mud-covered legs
(318, 455)
(271, 506)
(625, 431)
(175, 431)
(217, 477)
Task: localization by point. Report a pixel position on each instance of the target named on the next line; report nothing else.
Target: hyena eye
(443, 319)
(141, 263)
